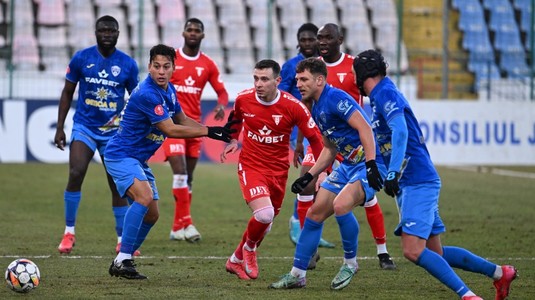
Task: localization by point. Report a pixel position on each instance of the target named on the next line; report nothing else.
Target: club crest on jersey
(276, 118)
(344, 106)
(116, 70)
(311, 123)
(199, 71)
(158, 109)
(341, 76)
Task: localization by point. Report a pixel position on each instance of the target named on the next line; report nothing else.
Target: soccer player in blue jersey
(151, 114)
(346, 130)
(414, 182)
(307, 44)
(102, 73)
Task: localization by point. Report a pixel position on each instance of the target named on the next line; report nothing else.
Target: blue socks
(307, 244)
(142, 234)
(349, 231)
(119, 212)
(71, 201)
(463, 259)
(441, 270)
(132, 226)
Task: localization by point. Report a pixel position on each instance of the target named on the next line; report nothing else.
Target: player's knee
(180, 181)
(264, 215)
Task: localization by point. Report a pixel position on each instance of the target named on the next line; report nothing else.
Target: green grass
(488, 214)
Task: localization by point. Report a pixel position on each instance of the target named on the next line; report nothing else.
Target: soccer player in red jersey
(193, 69)
(339, 75)
(268, 116)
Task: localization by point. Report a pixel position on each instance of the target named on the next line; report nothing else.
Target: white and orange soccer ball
(22, 275)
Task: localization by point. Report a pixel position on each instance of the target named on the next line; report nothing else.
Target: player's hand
(231, 121)
(299, 154)
(392, 183)
(59, 139)
(300, 183)
(372, 174)
(232, 147)
(219, 112)
(321, 177)
(220, 133)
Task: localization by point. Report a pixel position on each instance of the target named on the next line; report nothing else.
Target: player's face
(193, 35)
(329, 43)
(107, 34)
(265, 84)
(308, 85)
(308, 44)
(161, 68)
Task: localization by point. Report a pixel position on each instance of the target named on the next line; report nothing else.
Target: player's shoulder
(349, 57)
(246, 93)
(288, 97)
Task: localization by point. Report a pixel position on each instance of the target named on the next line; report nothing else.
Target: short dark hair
(269, 64)
(164, 50)
(307, 27)
(314, 65)
(107, 18)
(196, 21)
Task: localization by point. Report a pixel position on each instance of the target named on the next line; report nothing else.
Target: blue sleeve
(133, 78)
(399, 141)
(73, 73)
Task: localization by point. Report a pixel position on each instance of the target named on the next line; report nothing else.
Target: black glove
(372, 174)
(300, 183)
(220, 133)
(231, 122)
(392, 183)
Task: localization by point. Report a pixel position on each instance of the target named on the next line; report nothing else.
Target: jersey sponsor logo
(341, 76)
(276, 118)
(248, 115)
(101, 81)
(344, 106)
(158, 138)
(258, 190)
(176, 148)
(265, 137)
(103, 74)
(179, 67)
(115, 70)
(158, 109)
(199, 71)
(189, 87)
(311, 123)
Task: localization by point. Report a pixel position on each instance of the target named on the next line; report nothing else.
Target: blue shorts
(123, 171)
(92, 140)
(348, 173)
(418, 208)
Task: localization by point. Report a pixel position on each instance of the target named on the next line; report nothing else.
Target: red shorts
(308, 160)
(190, 147)
(255, 185)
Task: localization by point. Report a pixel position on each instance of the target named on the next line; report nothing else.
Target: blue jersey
(387, 102)
(288, 82)
(101, 90)
(331, 113)
(137, 136)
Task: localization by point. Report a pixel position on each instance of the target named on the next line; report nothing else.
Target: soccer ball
(22, 275)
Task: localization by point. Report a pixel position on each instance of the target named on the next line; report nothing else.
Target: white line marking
(495, 171)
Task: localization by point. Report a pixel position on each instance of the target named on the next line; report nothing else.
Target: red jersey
(190, 77)
(340, 76)
(266, 131)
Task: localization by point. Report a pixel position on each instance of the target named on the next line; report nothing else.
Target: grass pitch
(489, 214)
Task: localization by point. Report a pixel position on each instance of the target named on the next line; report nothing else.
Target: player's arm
(325, 158)
(181, 131)
(359, 123)
(398, 125)
(182, 119)
(65, 102)
(221, 91)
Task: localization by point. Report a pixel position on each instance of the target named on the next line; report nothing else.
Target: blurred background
(446, 52)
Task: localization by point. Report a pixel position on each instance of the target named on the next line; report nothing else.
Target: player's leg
(308, 241)
(193, 152)
(132, 179)
(174, 150)
(375, 218)
(79, 157)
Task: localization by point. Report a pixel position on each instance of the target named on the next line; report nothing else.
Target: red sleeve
(217, 84)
